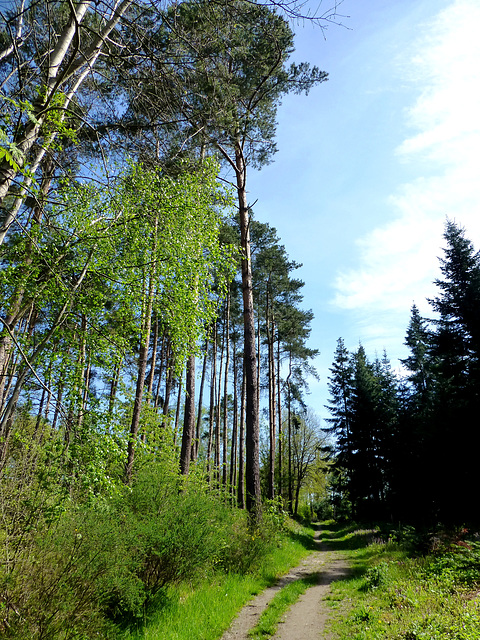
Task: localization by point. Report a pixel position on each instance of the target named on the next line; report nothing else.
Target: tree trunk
(163, 358)
(233, 452)
(241, 449)
(280, 431)
(211, 413)
(137, 405)
(151, 375)
(58, 73)
(200, 401)
(218, 414)
(189, 419)
(289, 426)
(252, 446)
(271, 403)
(142, 359)
(225, 393)
(177, 411)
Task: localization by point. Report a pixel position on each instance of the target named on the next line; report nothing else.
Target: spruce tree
(456, 349)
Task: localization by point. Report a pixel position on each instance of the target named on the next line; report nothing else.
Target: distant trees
(402, 445)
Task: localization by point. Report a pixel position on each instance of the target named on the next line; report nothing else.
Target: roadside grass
(205, 610)
(393, 593)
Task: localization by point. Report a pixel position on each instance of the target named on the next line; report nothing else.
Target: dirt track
(306, 618)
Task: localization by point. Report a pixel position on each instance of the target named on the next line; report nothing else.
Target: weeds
(204, 611)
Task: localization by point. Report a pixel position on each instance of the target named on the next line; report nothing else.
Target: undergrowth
(407, 586)
(99, 565)
(204, 610)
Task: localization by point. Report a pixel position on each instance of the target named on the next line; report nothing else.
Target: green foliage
(105, 560)
(459, 565)
(9, 151)
(395, 595)
(204, 610)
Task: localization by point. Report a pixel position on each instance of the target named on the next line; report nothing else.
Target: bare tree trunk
(200, 401)
(289, 426)
(58, 404)
(151, 375)
(113, 388)
(168, 390)
(241, 451)
(189, 419)
(177, 411)
(163, 359)
(271, 403)
(252, 444)
(233, 452)
(225, 392)
(280, 431)
(211, 414)
(81, 373)
(218, 414)
(142, 361)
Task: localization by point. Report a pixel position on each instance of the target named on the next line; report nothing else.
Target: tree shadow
(341, 537)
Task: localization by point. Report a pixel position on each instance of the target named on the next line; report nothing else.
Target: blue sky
(371, 163)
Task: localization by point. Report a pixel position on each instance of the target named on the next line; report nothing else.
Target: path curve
(306, 619)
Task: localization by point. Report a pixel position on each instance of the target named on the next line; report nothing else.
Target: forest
(154, 348)
(401, 442)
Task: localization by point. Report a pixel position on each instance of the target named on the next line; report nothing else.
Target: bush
(101, 563)
(75, 565)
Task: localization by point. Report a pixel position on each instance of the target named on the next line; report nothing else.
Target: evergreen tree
(456, 349)
(340, 386)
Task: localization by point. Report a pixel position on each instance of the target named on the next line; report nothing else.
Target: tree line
(404, 444)
(117, 288)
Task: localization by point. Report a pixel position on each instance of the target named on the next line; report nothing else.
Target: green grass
(205, 611)
(393, 595)
(283, 600)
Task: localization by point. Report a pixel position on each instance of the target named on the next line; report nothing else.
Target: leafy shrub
(98, 563)
(461, 566)
(377, 576)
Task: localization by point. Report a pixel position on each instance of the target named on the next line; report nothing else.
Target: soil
(306, 619)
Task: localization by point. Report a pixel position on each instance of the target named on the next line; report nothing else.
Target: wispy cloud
(397, 261)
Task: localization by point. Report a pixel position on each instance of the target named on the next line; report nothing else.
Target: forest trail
(306, 619)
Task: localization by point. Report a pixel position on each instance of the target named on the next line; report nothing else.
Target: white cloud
(398, 260)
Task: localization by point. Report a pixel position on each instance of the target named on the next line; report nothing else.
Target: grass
(283, 600)
(205, 611)
(394, 594)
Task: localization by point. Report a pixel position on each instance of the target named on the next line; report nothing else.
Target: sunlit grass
(205, 611)
(391, 596)
(283, 600)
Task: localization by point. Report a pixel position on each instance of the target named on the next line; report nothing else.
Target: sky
(371, 164)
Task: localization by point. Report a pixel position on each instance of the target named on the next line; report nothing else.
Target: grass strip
(282, 601)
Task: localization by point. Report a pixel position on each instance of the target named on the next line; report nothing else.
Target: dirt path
(307, 617)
